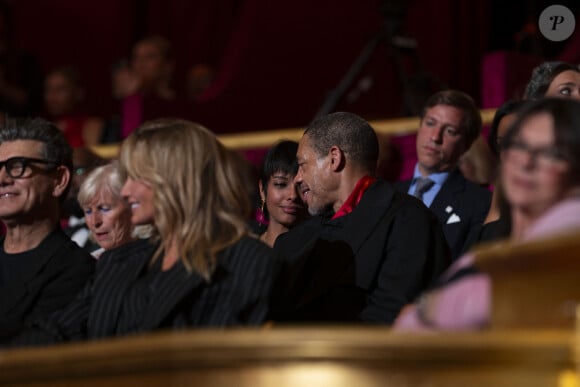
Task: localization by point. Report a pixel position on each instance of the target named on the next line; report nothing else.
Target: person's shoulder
(131, 249)
(70, 251)
(407, 206)
(249, 253)
(66, 255)
(402, 185)
(472, 188)
(477, 189)
(250, 245)
(294, 240)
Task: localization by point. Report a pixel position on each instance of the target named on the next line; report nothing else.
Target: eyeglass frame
(551, 154)
(25, 164)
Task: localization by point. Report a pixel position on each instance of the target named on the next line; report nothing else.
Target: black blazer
(461, 206)
(238, 294)
(364, 266)
(58, 270)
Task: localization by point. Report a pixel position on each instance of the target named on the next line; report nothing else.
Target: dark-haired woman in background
(282, 205)
(554, 79)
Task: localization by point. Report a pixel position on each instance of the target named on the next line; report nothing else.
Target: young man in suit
(450, 123)
(41, 269)
(368, 250)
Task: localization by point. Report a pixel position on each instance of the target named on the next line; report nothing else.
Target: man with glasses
(450, 123)
(41, 269)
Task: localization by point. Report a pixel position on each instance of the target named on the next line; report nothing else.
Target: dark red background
(275, 61)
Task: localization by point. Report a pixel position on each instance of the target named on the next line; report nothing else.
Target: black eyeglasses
(545, 156)
(17, 167)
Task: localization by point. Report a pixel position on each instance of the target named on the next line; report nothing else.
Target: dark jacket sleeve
(415, 253)
(259, 267)
(67, 324)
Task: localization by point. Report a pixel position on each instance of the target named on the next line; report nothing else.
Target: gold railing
(264, 139)
(302, 356)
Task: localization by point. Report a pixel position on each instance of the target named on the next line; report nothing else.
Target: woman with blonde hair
(200, 268)
(192, 193)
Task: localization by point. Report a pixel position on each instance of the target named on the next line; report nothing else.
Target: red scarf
(355, 196)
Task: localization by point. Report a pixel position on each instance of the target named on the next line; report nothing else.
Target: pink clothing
(132, 113)
(465, 304)
(561, 218)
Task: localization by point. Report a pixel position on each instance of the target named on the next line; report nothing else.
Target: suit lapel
(123, 266)
(367, 214)
(169, 293)
(14, 292)
(446, 196)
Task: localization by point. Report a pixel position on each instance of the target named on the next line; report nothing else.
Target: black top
(128, 296)
(40, 281)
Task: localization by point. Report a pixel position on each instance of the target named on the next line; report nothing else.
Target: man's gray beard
(319, 210)
(313, 211)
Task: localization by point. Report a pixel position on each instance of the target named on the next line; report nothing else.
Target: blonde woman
(201, 267)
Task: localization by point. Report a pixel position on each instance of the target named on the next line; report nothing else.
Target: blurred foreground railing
(533, 340)
(308, 356)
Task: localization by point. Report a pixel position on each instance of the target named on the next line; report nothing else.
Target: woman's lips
(290, 210)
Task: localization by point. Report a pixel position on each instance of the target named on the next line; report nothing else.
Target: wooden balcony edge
(362, 346)
(264, 139)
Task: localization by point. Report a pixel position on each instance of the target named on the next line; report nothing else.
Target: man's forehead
(445, 109)
(448, 113)
(303, 144)
(22, 147)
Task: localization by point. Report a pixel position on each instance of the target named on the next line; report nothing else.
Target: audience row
(177, 247)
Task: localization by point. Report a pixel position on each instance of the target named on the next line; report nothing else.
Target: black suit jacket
(238, 294)
(461, 206)
(58, 271)
(363, 266)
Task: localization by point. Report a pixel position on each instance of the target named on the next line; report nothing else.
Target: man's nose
(436, 134)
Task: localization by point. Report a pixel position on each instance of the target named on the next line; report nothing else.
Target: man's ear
(337, 158)
(61, 180)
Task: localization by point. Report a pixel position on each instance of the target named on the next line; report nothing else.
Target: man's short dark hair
(471, 122)
(352, 134)
(55, 146)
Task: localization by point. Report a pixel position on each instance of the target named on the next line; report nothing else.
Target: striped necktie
(423, 185)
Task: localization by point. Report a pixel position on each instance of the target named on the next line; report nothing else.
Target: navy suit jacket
(364, 266)
(461, 206)
(58, 270)
(238, 294)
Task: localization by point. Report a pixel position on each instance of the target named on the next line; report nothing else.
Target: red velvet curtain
(275, 62)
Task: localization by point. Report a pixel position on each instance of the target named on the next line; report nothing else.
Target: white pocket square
(453, 219)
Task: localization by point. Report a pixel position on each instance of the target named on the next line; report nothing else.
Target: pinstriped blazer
(238, 294)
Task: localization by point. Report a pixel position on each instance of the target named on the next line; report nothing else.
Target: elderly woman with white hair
(107, 214)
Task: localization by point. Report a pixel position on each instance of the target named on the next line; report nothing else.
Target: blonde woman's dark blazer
(238, 294)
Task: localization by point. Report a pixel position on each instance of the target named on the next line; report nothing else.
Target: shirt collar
(439, 177)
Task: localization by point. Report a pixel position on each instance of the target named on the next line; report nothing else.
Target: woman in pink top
(540, 178)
